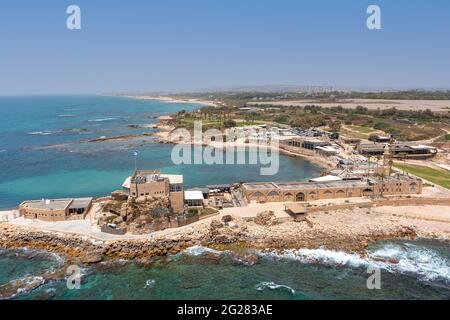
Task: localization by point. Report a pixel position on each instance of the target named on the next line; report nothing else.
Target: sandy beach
(174, 100)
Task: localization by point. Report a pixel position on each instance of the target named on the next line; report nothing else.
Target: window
(176, 188)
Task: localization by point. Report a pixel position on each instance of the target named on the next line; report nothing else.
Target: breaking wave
(41, 254)
(30, 281)
(66, 115)
(20, 286)
(102, 119)
(61, 131)
(199, 250)
(322, 256)
(409, 259)
(40, 133)
(273, 286)
(150, 283)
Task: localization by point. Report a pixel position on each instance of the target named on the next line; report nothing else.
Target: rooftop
(193, 195)
(296, 208)
(327, 149)
(80, 203)
(218, 186)
(151, 176)
(306, 185)
(314, 140)
(322, 185)
(259, 186)
(173, 178)
(326, 179)
(48, 204)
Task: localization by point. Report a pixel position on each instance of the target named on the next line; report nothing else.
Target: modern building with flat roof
(56, 209)
(309, 191)
(409, 150)
(310, 143)
(193, 198)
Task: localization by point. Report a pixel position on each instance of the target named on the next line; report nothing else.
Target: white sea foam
(66, 115)
(414, 259)
(102, 119)
(424, 263)
(23, 285)
(199, 250)
(273, 286)
(322, 256)
(149, 283)
(50, 290)
(40, 133)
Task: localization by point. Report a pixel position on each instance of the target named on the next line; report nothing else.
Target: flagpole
(135, 153)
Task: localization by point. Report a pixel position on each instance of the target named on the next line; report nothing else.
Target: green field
(439, 177)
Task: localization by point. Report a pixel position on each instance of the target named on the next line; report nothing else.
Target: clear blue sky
(148, 45)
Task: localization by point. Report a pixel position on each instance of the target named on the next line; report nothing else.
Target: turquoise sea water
(43, 153)
(422, 272)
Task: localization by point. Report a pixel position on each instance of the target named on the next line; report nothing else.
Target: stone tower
(387, 159)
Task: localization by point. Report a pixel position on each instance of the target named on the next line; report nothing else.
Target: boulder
(119, 195)
(226, 219)
(216, 224)
(266, 218)
(91, 258)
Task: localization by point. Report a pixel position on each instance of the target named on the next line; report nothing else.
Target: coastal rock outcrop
(91, 258)
(139, 216)
(218, 233)
(333, 232)
(266, 218)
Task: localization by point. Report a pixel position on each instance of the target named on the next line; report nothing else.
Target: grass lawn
(440, 177)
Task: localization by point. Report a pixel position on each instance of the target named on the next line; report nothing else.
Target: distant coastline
(163, 135)
(173, 100)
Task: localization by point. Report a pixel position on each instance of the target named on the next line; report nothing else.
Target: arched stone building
(310, 191)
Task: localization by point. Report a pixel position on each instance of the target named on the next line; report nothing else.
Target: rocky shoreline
(216, 234)
(348, 231)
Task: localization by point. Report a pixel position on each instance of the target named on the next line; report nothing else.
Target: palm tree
(403, 156)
